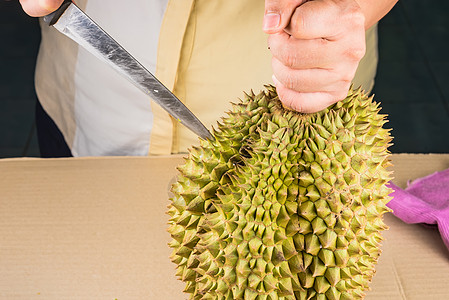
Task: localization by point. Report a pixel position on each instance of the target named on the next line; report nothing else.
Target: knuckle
(356, 52)
(346, 78)
(296, 105)
(288, 100)
(358, 19)
(359, 52)
(298, 23)
(341, 77)
(340, 94)
(290, 59)
(289, 79)
(355, 15)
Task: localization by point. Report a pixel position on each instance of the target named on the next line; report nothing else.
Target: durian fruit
(283, 205)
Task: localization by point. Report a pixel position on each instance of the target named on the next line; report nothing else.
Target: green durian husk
(283, 205)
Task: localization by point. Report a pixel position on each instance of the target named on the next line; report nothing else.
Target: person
(207, 52)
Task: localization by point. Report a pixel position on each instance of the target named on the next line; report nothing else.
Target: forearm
(374, 10)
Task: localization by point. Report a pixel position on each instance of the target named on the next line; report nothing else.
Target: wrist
(375, 10)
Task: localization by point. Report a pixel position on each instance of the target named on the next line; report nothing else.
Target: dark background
(412, 82)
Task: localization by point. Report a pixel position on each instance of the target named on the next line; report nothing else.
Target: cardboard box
(95, 228)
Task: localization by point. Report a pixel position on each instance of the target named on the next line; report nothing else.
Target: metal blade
(74, 23)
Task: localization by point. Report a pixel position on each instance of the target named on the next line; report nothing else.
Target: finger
(38, 8)
(306, 102)
(278, 14)
(306, 80)
(325, 19)
(316, 79)
(302, 54)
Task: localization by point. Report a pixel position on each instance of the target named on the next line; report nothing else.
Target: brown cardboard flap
(86, 229)
(95, 228)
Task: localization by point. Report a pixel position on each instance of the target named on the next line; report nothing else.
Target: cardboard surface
(95, 228)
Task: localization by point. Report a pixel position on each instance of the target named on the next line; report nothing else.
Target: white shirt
(110, 115)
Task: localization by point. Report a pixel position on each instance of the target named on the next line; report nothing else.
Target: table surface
(95, 228)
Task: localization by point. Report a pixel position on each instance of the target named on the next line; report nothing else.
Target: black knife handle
(52, 18)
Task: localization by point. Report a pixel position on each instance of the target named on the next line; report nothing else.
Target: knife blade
(70, 20)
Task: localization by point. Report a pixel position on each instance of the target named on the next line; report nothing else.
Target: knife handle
(52, 18)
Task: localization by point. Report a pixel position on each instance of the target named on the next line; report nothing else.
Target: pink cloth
(425, 200)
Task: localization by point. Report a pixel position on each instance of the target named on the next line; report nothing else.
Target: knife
(70, 20)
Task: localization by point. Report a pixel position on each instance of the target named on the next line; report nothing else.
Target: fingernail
(271, 21)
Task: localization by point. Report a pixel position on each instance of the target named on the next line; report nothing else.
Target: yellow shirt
(212, 51)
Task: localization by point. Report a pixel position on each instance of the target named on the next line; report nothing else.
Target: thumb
(278, 14)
